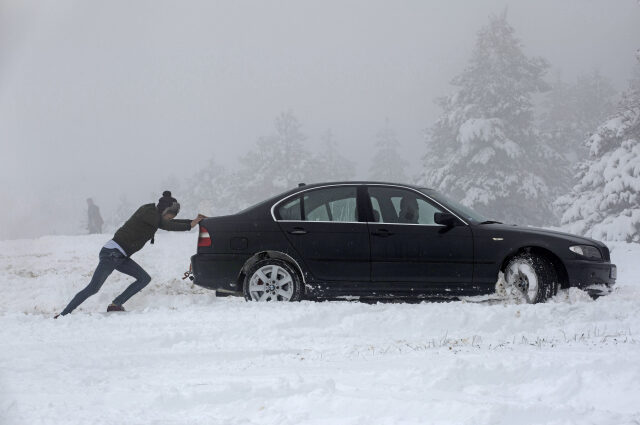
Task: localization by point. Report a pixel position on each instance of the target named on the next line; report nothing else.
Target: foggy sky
(108, 98)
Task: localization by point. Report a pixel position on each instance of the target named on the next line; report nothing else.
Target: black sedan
(383, 240)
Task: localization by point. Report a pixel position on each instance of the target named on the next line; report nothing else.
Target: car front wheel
(531, 278)
(272, 280)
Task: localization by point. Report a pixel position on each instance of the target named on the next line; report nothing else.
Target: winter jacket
(142, 226)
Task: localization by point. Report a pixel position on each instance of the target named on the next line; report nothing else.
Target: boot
(114, 307)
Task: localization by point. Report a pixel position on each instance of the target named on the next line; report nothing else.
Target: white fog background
(117, 99)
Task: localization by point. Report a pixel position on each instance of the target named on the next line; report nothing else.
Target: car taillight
(204, 239)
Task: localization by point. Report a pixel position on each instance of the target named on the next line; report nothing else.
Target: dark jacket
(143, 225)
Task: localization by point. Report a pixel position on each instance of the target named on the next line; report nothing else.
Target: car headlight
(587, 251)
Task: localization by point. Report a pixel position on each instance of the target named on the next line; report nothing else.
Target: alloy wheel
(522, 277)
(271, 283)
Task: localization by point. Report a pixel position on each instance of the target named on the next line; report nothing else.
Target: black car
(383, 240)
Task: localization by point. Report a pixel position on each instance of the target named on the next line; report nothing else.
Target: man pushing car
(129, 239)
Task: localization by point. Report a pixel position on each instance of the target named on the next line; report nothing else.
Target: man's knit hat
(167, 204)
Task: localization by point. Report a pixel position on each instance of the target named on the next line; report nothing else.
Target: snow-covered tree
(484, 149)
(329, 164)
(387, 164)
(277, 162)
(605, 204)
(574, 110)
(214, 190)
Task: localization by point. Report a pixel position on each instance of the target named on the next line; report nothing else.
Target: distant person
(129, 239)
(95, 219)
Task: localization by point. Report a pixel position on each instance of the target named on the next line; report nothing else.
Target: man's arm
(180, 225)
(175, 225)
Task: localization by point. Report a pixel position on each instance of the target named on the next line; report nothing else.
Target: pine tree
(484, 149)
(574, 111)
(213, 191)
(605, 204)
(387, 164)
(329, 164)
(278, 162)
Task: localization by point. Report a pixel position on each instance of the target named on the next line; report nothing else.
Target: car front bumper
(594, 277)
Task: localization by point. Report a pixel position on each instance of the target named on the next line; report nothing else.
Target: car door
(323, 226)
(409, 251)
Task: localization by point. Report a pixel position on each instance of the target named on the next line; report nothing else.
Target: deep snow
(182, 356)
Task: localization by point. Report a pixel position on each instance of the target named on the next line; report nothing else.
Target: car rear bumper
(595, 278)
(218, 271)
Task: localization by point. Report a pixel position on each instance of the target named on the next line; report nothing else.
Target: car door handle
(298, 231)
(383, 233)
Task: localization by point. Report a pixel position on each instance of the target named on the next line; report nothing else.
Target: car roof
(356, 182)
(266, 204)
(304, 186)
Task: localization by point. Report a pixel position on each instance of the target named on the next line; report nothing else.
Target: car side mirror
(445, 218)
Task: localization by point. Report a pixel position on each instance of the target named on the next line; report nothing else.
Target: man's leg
(105, 267)
(132, 269)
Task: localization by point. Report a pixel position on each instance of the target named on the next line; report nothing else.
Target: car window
(376, 210)
(327, 204)
(331, 204)
(290, 210)
(400, 206)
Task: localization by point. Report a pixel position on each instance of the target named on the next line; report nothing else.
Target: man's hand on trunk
(197, 220)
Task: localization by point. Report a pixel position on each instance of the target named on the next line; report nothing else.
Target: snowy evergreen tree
(605, 204)
(484, 150)
(278, 162)
(213, 191)
(329, 164)
(387, 164)
(574, 111)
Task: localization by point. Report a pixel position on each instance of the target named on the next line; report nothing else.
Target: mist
(116, 99)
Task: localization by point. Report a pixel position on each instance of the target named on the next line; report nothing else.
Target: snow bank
(181, 356)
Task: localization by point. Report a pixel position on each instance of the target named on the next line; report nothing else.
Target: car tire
(261, 285)
(532, 278)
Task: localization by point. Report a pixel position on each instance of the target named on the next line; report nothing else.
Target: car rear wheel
(272, 280)
(531, 278)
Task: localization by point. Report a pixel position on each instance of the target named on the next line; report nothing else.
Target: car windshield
(462, 210)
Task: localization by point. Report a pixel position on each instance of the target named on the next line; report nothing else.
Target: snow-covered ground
(181, 356)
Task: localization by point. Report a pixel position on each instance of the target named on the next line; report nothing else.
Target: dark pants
(110, 260)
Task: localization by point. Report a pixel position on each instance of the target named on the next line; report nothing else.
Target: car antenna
(301, 184)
